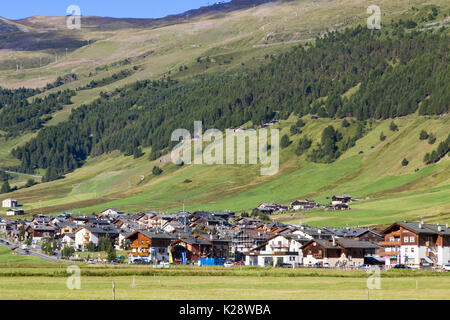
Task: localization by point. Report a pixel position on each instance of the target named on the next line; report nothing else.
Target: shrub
(431, 139)
(285, 142)
(393, 126)
(157, 170)
(405, 162)
(423, 135)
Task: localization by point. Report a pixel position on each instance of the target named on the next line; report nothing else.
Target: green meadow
(370, 170)
(26, 277)
(224, 288)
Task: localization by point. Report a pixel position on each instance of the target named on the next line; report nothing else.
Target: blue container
(212, 261)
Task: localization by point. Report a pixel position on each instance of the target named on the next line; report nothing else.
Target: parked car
(91, 261)
(228, 264)
(239, 263)
(317, 265)
(364, 266)
(401, 266)
(285, 265)
(446, 267)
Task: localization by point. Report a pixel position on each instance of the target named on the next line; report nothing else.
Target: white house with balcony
(9, 203)
(416, 243)
(284, 248)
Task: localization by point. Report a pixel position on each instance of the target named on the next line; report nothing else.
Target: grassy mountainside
(395, 192)
(238, 39)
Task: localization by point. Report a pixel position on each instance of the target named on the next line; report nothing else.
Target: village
(226, 239)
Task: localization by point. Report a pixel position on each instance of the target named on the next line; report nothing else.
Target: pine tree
(6, 188)
(285, 142)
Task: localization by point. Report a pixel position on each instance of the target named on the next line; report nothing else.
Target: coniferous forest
(395, 73)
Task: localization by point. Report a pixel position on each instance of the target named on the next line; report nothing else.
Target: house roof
(323, 243)
(151, 235)
(440, 229)
(100, 230)
(346, 232)
(352, 243)
(192, 240)
(415, 227)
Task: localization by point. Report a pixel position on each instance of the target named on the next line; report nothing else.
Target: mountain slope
(223, 50)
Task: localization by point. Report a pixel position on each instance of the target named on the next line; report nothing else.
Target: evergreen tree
(431, 139)
(285, 142)
(423, 135)
(6, 188)
(393, 126)
(157, 170)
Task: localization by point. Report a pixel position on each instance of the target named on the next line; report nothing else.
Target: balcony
(389, 253)
(389, 243)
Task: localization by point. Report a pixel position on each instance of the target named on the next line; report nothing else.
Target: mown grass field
(24, 277)
(223, 288)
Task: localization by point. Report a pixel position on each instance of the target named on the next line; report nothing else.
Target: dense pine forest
(393, 72)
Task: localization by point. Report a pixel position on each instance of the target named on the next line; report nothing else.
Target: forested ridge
(396, 74)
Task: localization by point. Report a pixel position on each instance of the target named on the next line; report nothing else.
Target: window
(391, 239)
(411, 239)
(405, 239)
(412, 250)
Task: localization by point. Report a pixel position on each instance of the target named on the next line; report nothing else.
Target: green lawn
(228, 288)
(32, 278)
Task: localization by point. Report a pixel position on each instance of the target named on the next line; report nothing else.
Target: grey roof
(346, 232)
(351, 243)
(417, 227)
(108, 230)
(444, 229)
(324, 243)
(313, 231)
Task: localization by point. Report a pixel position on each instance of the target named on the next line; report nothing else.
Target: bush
(303, 145)
(157, 171)
(393, 126)
(382, 136)
(405, 162)
(6, 188)
(423, 135)
(285, 142)
(137, 153)
(431, 139)
(67, 252)
(30, 183)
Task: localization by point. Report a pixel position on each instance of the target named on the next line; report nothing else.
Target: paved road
(11, 246)
(25, 174)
